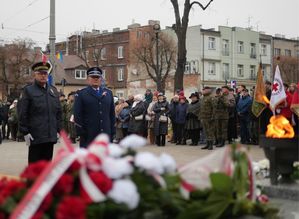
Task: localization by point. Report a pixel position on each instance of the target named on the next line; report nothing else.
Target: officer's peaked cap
(94, 71)
(41, 67)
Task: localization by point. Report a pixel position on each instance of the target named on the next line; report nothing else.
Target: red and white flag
(278, 94)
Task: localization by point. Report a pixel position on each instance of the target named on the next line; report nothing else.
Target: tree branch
(198, 3)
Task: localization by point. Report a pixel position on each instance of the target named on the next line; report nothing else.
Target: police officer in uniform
(206, 116)
(40, 114)
(94, 109)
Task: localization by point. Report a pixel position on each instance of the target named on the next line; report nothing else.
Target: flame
(280, 127)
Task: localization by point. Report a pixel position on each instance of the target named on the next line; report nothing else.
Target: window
(212, 43)
(212, 68)
(80, 74)
(187, 68)
(139, 34)
(120, 94)
(288, 52)
(252, 50)
(120, 74)
(225, 48)
(276, 52)
(264, 70)
(103, 73)
(120, 51)
(240, 47)
(264, 50)
(103, 53)
(240, 71)
(252, 72)
(225, 71)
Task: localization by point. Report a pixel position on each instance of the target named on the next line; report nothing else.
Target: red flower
(263, 199)
(47, 202)
(71, 207)
(74, 167)
(101, 181)
(64, 185)
(34, 170)
(38, 215)
(10, 187)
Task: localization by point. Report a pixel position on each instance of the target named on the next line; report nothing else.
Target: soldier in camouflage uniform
(70, 117)
(206, 116)
(221, 108)
(63, 109)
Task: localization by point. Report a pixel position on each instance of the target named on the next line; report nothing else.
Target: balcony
(225, 52)
(253, 56)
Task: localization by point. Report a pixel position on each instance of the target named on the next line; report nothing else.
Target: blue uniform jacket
(94, 114)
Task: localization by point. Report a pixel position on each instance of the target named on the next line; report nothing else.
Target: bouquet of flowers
(107, 180)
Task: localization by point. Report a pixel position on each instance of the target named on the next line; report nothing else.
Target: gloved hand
(28, 138)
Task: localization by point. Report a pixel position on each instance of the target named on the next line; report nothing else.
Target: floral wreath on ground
(107, 180)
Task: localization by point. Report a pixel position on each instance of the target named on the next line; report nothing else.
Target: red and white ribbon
(89, 158)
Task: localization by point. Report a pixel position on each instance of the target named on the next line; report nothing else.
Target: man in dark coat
(172, 115)
(180, 119)
(94, 109)
(40, 115)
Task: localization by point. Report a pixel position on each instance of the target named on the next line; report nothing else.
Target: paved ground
(14, 155)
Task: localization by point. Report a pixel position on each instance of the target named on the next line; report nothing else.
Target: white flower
(168, 163)
(117, 168)
(133, 141)
(264, 164)
(256, 167)
(125, 191)
(148, 161)
(99, 145)
(115, 150)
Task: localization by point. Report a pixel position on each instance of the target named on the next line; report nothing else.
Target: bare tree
(92, 50)
(180, 28)
(15, 62)
(145, 52)
(289, 68)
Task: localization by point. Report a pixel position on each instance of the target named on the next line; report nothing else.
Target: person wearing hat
(180, 120)
(94, 111)
(161, 109)
(206, 116)
(193, 121)
(40, 114)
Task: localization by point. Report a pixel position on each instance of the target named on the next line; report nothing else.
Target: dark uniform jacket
(94, 114)
(40, 113)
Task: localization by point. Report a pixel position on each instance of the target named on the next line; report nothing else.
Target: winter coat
(181, 113)
(151, 114)
(94, 114)
(172, 110)
(193, 111)
(124, 117)
(243, 106)
(160, 128)
(40, 113)
(137, 126)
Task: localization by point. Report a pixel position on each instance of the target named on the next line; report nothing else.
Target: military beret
(94, 71)
(41, 67)
(225, 86)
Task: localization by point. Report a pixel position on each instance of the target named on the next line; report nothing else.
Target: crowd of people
(212, 117)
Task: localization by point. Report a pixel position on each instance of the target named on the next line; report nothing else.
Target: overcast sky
(30, 17)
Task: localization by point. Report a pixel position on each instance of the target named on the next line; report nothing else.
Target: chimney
(116, 29)
(132, 26)
(153, 22)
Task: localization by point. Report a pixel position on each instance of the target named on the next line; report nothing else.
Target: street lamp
(157, 29)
